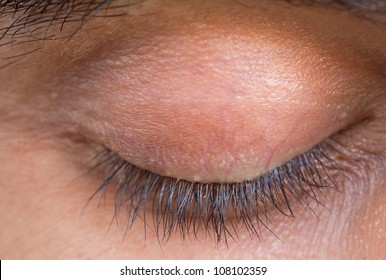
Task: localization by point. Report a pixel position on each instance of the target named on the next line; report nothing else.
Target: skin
(208, 92)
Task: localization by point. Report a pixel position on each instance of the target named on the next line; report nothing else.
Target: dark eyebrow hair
(33, 20)
(40, 20)
(40, 15)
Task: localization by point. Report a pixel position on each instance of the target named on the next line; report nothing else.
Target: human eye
(195, 121)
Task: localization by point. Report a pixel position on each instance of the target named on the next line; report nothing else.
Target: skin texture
(209, 92)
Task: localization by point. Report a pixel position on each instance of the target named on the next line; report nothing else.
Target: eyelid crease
(218, 209)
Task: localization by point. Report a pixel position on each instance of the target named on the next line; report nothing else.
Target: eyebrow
(33, 19)
(40, 15)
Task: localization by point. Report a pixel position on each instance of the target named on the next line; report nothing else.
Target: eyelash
(218, 209)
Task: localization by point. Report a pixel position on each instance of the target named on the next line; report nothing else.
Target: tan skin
(196, 91)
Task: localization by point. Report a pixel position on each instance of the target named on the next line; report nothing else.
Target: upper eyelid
(292, 120)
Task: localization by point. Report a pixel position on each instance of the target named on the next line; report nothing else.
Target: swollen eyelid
(221, 101)
(221, 115)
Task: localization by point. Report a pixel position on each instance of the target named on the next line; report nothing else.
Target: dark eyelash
(217, 209)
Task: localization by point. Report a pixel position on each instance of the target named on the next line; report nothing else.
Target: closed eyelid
(217, 105)
(208, 122)
(254, 95)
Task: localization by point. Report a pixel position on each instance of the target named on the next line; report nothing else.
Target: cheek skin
(43, 218)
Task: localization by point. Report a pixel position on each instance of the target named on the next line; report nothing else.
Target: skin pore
(204, 91)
